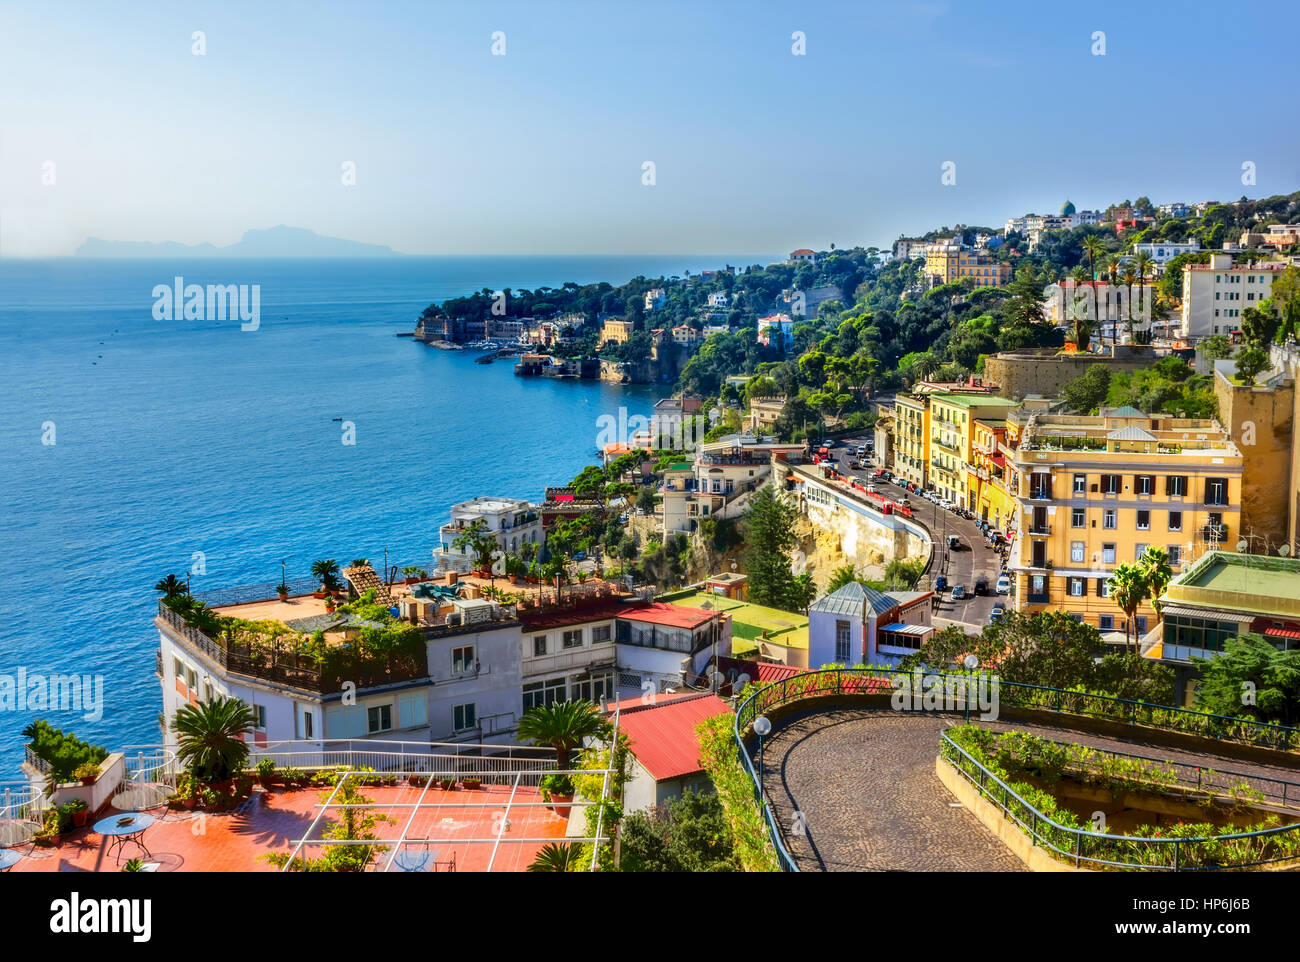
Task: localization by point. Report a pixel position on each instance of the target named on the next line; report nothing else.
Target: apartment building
(512, 521)
(776, 329)
(907, 248)
(1215, 294)
(719, 299)
(988, 493)
(615, 330)
(1095, 492)
(1163, 251)
(912, 438)
(947, 261)
(655, 299)
(723, 471)
(952, 439)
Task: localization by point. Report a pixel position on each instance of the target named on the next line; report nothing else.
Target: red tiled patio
(269, 821)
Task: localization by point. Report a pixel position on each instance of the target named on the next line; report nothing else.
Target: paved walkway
(855, 790)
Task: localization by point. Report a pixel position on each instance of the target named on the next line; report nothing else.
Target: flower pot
(284, 596)
(561, 804)
(319, 593)
(89, 779)
(471, 783)
(79, 818)
(266, 781)
(514, 579)
(46, 841)
(189, 803)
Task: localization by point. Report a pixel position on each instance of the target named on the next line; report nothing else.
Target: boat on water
(485, 359)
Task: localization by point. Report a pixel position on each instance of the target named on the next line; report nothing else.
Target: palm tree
(211, 737)
(1082, 324)
(172, 587)
(1142, 264)
(563, 726)
(1129, 278)
(1128, 586)
(1158, 573)
(327, 570)
(555, 857)
(1093, 247)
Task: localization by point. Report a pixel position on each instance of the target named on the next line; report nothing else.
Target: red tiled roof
(1288, 633)
(762, 672)
(671, 616)
(662, 735)
(543, 620)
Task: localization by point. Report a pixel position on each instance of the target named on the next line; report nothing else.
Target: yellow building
(616, 331)
(946, 262)
(912, 438)
(1095, 492)
(952, 438)
(988, 493)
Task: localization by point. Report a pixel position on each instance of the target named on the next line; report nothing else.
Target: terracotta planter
(189, 803)
(285, 596)
(471, 783)
(79, 818)
(318, 594)
(47, 841)
(514, 579)
(560, 804)
(89, 779)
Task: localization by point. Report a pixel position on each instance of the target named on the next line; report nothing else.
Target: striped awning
(900, 628)
(1290, 634)
(1216, 614)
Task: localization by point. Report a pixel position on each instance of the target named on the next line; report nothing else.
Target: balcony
(1043, 530)
(1214, 532)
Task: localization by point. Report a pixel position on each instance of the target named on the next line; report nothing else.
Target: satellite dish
(761, 725)
(1243, 546)
(717, 679)
(1284, 550)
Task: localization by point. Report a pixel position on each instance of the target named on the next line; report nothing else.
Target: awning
(901, 628)
(1215, 614)
(1289, 633)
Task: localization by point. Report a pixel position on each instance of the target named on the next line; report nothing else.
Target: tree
(841, 576)
(1250, 361)
(556, 857)
(211, 737)
(1087, 391)
(1155, 568)
(480, 542)
(172, 587)
(1093, 248)
(327, 571)
(1128, 589)
(562, 725)
(1143, 264)
(1216, 347)
(769, 539)
(645, 499)
(1259, 326)
(1251, 679)
(687, 834)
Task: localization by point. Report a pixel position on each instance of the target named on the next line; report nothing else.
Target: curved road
(855, 790)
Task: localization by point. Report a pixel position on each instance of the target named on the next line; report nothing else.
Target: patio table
(415, 860)
(120, 829)
(8, 859)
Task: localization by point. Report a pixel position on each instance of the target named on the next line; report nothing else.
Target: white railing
(442, 758)
(21, 801)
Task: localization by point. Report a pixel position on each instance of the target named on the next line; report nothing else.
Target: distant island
(278, 241)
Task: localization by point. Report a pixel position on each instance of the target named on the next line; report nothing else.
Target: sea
(132, 448)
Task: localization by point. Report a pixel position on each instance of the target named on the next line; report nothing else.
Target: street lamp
(761, 727)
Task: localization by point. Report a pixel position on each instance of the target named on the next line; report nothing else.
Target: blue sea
(181, 440)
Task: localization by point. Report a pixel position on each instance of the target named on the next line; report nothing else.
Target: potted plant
(327, 570)
(412, 574)
(243, 785)
(282, 590)
(447, 784)
(211, 741)
(80, 811)
(415, 781)
(558, 791)
(471, 783)
(266, 771)
(330, 604)
(87, 773)
(51, 829)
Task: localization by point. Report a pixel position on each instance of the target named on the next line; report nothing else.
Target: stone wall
(1046, 372)
(1260, 420)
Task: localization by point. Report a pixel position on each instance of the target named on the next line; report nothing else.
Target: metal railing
(865, 681)
(445, 759)
(1133, 852)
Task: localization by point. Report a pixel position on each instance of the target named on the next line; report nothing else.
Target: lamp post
(761, 727)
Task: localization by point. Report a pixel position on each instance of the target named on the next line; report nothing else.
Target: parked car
(1003, 586)
(996, 614)
(981, 585)
(954, 543)
(940, 583)
(958, 592)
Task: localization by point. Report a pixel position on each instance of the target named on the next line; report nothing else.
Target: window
(1141, 622)
(1176, 486)
(464, 717)
(573, 639)
(1144, 484)
(462, 660)
(1080, 484)
(539, 645)
(1103, 587)
(842, 641)
(191, 679)
(1076, 587)
(1106, 622)
(1078, 517)
(1108, 518)
(600, 633)
(259, 717)
(1175, 553)
(178, 669)
(308, 724)
(595, 689)
(379, 718)
(1138, 551)
(1175, 521)
(1144, 520)
(1110, 484)
(1108, 554)
(1076, 551)
(1216, 490)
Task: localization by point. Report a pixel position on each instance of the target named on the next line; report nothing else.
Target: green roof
(749, 621)
(1256, 584)
(973, 400)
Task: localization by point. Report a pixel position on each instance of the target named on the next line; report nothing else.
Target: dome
(1067, 209)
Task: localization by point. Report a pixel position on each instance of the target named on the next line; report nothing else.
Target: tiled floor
(269, 821)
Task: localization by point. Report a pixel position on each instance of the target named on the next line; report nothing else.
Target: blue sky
(541, 150)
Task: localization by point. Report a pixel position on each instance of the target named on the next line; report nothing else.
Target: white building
(776, 329)
(1163, 251)
(719, 299)
(1215, 294)
(858, 625)
(907, 248)
(654, 299)
(802, 256)
(512, 521)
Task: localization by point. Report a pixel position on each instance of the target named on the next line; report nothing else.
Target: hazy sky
(541, 150)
